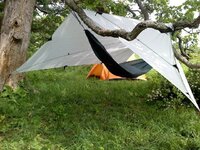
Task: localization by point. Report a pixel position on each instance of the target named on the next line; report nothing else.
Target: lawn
(59, 109)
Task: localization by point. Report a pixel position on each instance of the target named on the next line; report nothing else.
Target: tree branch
(119, 32)
(143, 9)
(187, 24)
(138, 28)
(191, 32)
(132, 11)
(180, 42)
(185, 61)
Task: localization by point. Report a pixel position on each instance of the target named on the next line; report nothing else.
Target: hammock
(131, 69)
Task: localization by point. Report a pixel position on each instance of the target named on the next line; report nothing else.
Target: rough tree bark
(14, 39)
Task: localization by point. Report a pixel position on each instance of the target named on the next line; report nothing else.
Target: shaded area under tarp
(131, 69)
(100, 71)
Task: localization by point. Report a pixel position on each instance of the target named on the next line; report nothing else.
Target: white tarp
(173, 73)
(69, 46)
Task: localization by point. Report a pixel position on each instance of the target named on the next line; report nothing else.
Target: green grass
(62, 110)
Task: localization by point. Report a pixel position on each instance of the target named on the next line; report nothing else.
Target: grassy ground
(61, 110)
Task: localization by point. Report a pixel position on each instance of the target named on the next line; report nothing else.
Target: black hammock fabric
(131, 69)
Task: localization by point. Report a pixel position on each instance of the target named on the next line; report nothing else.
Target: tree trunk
(14, 39)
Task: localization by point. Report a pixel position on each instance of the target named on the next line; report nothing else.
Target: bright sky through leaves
(176, 2)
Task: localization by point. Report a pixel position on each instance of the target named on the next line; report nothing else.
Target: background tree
(14, 39)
